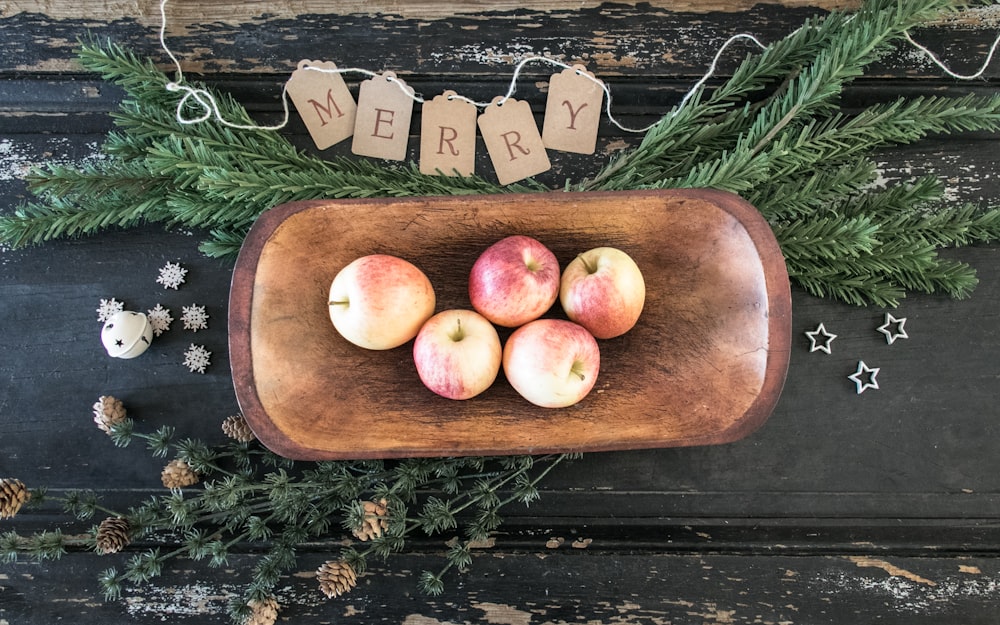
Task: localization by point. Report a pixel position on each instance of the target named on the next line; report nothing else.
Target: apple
(553, 363)
(602, 289)
(457, 354)
(514, 281)
(380, 301)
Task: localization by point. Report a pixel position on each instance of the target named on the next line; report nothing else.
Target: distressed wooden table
(842, 508)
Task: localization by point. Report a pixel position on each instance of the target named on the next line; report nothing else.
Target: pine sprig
(289, 505)
(802, 197)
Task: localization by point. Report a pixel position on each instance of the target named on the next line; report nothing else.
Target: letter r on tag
(448, 136)
(512, 140)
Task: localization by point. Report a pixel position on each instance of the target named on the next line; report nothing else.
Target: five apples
(381, 302)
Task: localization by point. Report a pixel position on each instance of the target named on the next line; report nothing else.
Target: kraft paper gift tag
(448, 136)
(512, 140)
(572, 111)
(323, 101)
(382, 128)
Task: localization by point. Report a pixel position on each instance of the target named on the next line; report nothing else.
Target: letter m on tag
(328, 110)
(323, 101)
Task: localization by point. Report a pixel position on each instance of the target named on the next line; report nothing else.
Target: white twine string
(210, 108)
(512, 88)
(933, 57)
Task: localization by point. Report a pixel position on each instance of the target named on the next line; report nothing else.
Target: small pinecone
(375, 522)
(112, 535)
(237, 428)
(108, 411)
(178, 474)
(336, 578)
(13, 494)
(263, 612)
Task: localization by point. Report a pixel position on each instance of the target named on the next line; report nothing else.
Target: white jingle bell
(126, 334)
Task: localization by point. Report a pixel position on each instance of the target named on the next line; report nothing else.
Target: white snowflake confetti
(196, 358)
(172, 275)
(160, 319)
(108, 308)
(195, 318)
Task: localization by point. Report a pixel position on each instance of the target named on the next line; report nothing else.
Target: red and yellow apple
(457, 354)
(602, 289)
(514, 281)
(380, 301)
(553, 363)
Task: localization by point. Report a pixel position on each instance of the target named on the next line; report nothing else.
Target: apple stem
(575, 370)
(458, 334)
(590, 268)
(339, 302)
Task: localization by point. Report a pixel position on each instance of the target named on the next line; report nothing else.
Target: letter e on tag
(323, 101)
(382, 128)
(448, 136)
(573, 111)
(512, 140)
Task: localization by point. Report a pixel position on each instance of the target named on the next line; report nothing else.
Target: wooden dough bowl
(704, 365)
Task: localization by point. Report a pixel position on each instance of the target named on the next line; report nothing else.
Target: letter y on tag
(512, 140)
(573, 111)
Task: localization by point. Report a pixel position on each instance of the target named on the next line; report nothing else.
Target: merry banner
(379, 121)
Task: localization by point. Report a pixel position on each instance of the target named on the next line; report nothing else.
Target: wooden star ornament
(820, 344)
(893, 328)
(865, 377)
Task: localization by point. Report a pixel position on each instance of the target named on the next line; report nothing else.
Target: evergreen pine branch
(866, 39)
(114, 63)
(33, 222)
(734, 172)
(837, 140)
(252, 190)
(844, 284)
(713, 125)
(947, 226)
(223, 242)
(917, 194)
(883, 277)
(839, 47)
(150, 116)
(830, 238)
(799, 196)
(94, 179)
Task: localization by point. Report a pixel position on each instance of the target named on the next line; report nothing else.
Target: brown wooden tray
(704, 365)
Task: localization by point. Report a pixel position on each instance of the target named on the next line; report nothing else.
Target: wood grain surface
(705, 364)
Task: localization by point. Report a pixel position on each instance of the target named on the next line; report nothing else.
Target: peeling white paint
(18, 158)
(625, 613)
(965, 188)
(906, 595)
(14, 163)
(163, 602)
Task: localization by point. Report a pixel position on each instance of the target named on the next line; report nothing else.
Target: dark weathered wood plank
(612, 39)
(557, 585)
